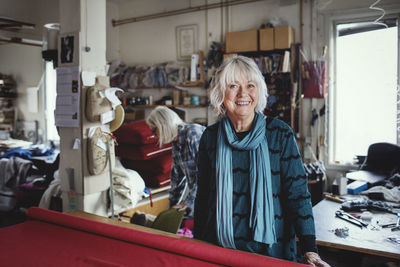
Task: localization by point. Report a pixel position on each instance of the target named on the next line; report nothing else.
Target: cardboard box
(266, 39)
(243, 41)
(283, 37)
(229, 55)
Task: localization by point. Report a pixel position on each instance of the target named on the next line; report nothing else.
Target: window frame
(330, 20)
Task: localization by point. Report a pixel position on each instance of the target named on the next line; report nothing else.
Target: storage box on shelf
(266, 39)
(243, 41)
(283, 37)
(280, 37)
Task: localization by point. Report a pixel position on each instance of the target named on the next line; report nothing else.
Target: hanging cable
(373, 6)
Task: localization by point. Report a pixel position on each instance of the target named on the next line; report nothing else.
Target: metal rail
(181, 11)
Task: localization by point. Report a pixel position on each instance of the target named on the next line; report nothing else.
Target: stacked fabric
(138, 150)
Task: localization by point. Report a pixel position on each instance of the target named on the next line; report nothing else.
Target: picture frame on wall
(68, 47)
(186, 41)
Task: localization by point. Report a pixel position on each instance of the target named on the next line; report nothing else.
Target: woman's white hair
(229, 72)
(166, 121)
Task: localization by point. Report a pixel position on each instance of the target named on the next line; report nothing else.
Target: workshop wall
(154, 41)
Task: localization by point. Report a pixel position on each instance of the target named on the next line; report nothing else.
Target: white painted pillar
(87, 18)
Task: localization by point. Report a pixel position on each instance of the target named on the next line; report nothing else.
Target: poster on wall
(186, 41)
(67, 112)
(68, 47)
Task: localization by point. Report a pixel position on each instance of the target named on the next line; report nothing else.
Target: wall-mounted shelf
(7, 98)
(201, 81)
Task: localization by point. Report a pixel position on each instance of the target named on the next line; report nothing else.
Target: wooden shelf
(7, 98)
(199, 83)
(170, 106)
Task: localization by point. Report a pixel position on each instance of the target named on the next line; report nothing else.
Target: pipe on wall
(181, 11)
(15, 40)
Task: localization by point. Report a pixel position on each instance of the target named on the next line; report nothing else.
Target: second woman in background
(185, 138)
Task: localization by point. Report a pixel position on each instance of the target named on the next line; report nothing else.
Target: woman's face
(241, 98)
(155, 131)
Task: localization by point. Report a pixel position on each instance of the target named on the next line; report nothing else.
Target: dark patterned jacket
(292, 203)
(184, 168)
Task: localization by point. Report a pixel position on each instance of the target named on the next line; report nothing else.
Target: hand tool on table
(349, 218)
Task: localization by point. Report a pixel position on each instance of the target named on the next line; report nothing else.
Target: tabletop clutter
(371, 206)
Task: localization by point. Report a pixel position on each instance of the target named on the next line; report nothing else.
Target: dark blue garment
(28, 153)
(18, 152)
(292, 204)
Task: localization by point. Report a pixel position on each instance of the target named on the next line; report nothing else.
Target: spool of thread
(195, 100)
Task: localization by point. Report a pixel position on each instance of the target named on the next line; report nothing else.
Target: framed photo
(68, 47)
(186, 41)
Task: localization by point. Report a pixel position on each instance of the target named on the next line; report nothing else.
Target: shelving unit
(139, 101)
(192, 112)
(8, 113)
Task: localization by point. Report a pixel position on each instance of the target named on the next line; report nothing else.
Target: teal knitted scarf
(261, 221)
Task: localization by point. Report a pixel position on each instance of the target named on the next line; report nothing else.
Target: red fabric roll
(142, 152)
(161, 164)
(137, 132)
(179, 247)
(155, 180)
(42, 244)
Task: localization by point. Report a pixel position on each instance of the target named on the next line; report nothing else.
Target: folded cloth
(155, 180)
(128, 186)
(388, 194)
(137, 133)
(161, 164)
(142, 152)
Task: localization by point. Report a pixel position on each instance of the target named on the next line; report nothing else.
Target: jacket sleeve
(192, 170)
(178, 181)
(201, 208)
(295, 192)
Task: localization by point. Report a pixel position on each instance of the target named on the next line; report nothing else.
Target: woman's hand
(180, 207)
(313, 259)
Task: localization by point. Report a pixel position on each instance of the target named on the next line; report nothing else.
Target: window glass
(51, 93)
(365, 95)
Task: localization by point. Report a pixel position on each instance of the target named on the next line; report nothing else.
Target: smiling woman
(252, 189)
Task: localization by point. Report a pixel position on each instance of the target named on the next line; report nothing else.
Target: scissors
(351, 219)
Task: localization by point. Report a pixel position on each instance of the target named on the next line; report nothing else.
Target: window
(50, 102)
(364, 91)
